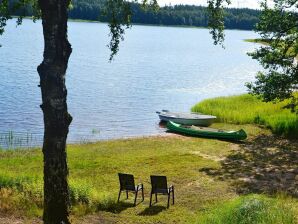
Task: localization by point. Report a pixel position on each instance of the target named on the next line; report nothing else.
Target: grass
(251, 209)
(94, 182)
(259, 41)
(267, 42)
(248, 109)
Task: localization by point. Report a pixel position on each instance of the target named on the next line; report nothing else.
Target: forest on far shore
(177, 15)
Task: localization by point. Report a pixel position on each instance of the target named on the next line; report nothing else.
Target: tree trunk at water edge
(52, 72)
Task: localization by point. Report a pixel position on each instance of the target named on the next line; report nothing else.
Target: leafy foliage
(216, 20)
(278, 26)
(119, 14)
(4, 14)
(120, 11)
(120, 18)
(17, 7)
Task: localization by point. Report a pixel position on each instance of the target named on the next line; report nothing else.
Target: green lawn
(206, 173)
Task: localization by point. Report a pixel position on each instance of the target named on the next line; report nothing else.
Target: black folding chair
(160, 186)
(127, 183)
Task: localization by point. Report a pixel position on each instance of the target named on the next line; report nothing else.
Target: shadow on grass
(114, 206)
(266, 164)
(153, 210)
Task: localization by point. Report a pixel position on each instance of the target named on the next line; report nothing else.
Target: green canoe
(206, 132)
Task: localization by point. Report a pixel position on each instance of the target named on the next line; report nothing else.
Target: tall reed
(248, 109)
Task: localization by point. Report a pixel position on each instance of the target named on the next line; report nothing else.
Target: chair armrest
(140, 186)
(171, 188)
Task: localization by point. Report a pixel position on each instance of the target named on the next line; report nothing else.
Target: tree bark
(52, 71)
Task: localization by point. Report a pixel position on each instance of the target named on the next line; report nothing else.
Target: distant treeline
(181, 15)
(178, 15)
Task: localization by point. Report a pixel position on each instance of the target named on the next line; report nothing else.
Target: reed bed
(248, 109)
(13, 140)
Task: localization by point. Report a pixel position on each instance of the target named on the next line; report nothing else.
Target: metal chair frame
(160, 186)
(127, 183)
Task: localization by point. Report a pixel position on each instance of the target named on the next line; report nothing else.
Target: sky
(235, 3)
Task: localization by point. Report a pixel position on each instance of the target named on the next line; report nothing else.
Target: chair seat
(132, 188)
(129, 188)
(161, 191)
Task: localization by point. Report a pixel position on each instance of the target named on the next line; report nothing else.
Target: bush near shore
(248, 109)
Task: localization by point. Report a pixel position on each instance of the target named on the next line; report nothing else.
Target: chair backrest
(159, 182)
(127, 181)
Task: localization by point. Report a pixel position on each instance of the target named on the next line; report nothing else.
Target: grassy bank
(258, 41)
(247, 109)
(206, 173)
(257, 209)
(267, 42)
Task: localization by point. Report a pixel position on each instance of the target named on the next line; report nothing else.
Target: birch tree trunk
(52, 71)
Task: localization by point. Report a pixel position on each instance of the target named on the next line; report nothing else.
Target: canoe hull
(230, 135)
(187, 119)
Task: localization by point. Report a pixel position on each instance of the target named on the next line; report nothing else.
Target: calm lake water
(156, 68)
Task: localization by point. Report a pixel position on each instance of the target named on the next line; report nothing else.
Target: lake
(156, 68)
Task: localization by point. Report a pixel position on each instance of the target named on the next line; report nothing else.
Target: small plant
(95, 131)
(108, 203)
(80, 193)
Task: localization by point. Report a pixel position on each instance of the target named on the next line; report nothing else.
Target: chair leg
(155, 197)
(126, 194)
(119, 196)
(173, 195)
(142, 193)
(150, 199)
(136, 195)
(169, 195)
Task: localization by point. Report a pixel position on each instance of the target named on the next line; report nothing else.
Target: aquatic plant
(248, 109)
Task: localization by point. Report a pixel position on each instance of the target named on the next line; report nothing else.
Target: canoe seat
(205, 129)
